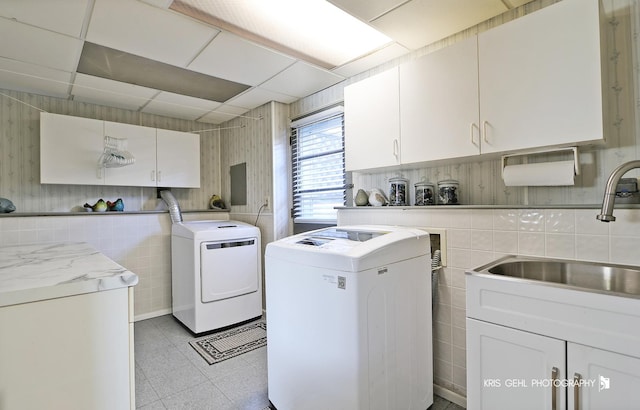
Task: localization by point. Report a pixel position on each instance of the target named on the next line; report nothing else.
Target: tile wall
(478, 236)
(139, 242)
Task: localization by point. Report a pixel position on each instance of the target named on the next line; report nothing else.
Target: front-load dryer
(216, 276)
(349, 319)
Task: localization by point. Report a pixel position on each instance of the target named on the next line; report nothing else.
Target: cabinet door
(439, 112)
(69, 150)
(141, 143)
(372, 122)
(609, 380)
(178, 159)
(540, 82)
(504, 365)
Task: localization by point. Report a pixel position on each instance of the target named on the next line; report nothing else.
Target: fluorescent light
(315, 28)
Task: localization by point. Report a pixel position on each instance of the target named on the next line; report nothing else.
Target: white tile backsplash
(476, 237)
(560, 220)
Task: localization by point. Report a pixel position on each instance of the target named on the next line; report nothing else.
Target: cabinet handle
(576, 391)
(396, 148)
(484, 131)
(473, 125)
(153, 175)
(554, 388)
(159, 175)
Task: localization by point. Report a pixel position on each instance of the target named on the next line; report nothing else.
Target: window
(317, 151)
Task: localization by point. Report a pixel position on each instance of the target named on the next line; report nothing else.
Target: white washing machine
(349, 319)
(216, 276)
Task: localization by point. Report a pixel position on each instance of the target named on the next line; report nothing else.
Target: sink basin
(592, 276)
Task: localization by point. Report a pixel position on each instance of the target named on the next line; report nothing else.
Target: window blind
(317, 151)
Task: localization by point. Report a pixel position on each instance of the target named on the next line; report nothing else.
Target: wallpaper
(20, 157)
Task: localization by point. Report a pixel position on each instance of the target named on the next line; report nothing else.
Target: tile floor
(171, 375)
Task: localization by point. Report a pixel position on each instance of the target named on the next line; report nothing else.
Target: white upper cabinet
(178, 159)
(70, 149)
(141, 143)
(439, 104)
(530, 83)
(372, 122)
(540, 79)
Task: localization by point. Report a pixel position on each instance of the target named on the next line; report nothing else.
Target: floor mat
(230, 343)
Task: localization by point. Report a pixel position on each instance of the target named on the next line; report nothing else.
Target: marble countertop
(30, 273)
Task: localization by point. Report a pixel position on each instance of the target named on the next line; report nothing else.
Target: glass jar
(398, 192)
(448, 192)
(425, 193)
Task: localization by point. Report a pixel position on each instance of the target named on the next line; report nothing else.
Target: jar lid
(448, 182)
(421, 184)
(398, 179)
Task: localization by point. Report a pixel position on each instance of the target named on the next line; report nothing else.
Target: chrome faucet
(606, 213)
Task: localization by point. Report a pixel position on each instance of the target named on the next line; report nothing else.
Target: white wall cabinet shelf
(541, 84)
(372, 122)
(526, 84)
(439, 104)
(519, 331)
(178, 159)
(141, 142)
(71, 146)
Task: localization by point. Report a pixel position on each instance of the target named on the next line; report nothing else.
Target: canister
(425, 193)
(398, 192)
(448, 192)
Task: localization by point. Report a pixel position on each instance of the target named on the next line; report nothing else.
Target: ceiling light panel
(61, 16)
(312, 27)
(230, 57)
(141, 29)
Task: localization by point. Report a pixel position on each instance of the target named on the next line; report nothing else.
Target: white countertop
(30, 273)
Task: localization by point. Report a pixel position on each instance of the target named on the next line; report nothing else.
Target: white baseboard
(449, 395)
(150, 315)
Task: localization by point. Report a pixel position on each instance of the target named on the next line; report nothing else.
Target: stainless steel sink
(599, 277)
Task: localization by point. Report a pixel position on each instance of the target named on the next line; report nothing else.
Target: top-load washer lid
(214, 230)
(352, 248)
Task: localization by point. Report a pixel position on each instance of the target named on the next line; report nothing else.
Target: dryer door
(228, 268)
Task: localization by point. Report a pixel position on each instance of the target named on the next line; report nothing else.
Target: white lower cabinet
(514, 369)
(610, 380)
(503, 364)
(72, 353)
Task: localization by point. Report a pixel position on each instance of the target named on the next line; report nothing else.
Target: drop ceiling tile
(141, 29)
(19, 76)
(233, 58)
(301, 80)
(392, 51)
(406, 24)
(367, 10)
(256, 97)
(179, 106)
(222, 114)
(61, 16)
(518, 3)
(101, 91)
(37, 46)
